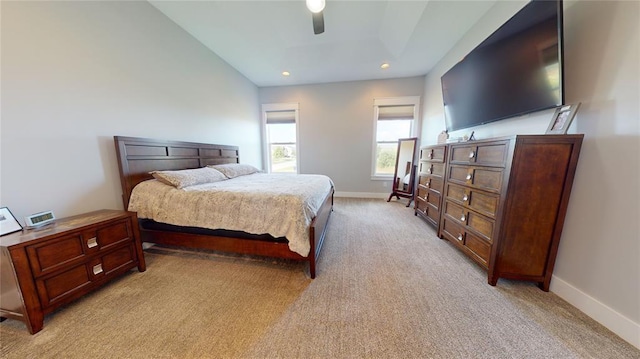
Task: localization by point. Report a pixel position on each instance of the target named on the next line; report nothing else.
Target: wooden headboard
(138, 156)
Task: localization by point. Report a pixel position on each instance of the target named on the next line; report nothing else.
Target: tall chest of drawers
(47, 268)
(431, 172)
(505, 200)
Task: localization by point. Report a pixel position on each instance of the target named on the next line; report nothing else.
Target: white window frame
(268, 107)
(391, 101)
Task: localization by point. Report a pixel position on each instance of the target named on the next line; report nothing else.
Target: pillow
(185, 178)
(232, 170)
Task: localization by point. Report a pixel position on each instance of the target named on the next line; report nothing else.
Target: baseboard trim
(622, 326)
(361, 194)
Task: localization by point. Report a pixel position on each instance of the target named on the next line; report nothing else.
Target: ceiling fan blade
(318, 23)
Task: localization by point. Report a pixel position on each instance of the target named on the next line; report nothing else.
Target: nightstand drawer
(51, 255)
(64, 285)
(113, 234)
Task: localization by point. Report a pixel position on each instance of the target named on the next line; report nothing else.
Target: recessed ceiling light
(384, 66)
(285, 73)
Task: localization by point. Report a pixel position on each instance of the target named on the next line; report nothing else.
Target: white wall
(336, 128)
(74, 74)
(598, 263)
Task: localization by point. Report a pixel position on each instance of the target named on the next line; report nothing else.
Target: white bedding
(278, 204)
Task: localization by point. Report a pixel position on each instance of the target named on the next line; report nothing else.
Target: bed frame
(138, 156)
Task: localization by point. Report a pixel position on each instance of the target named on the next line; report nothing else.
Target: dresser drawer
(436, 169)
(457, 233)
(432, 182)
(489, 154)
(470, 219)
(434, 154)
(479, 247)
(482, 202)
(428, 211)
(489, 179)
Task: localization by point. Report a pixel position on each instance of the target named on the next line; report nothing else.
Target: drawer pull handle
(427, 184)
(463, 218)
(469, 176)
(97, 269)
(431, 169)
(460, 237)
(92, 242)
(472, 154)
(465, 198)
(431, 154)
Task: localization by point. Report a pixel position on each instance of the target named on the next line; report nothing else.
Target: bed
(137, 157)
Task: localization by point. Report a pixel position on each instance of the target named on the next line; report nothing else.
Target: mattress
(281, 205)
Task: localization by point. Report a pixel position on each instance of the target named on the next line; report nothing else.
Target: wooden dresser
(431, 175)
(505, 202)
(49, 267)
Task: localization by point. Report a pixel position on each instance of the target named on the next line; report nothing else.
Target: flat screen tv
(516, 70)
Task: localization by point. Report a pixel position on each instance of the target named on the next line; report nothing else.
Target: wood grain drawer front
(481, 224)
(433, 215)
(457, 213)
(436, 169)
(457, 234)
(486, 154)
(64, 285)
(453, 231)
(121, 259)
(431, 182)
(481, 202)
(489, 179)
(114, 234)
(421, 206)
(422, 193)
(434, 199)
(54, 254)
(470, 219)
(478, 246)
(435, 154)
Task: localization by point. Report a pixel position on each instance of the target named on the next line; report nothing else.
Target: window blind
(404, 112)
(277, 117)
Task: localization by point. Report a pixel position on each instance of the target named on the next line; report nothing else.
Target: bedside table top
(62, 225)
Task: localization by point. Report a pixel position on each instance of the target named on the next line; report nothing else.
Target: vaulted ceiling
(261, 39)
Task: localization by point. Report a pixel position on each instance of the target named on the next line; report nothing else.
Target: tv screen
(516, 70)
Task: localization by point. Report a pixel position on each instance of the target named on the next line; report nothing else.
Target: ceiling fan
(316, 7)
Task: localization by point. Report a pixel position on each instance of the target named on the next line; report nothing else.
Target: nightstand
(43, 269)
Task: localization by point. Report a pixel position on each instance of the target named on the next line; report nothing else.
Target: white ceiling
(263, 38)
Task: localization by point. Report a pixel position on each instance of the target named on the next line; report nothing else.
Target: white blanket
(278, 204)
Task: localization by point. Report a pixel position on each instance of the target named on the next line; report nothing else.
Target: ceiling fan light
(315, 6)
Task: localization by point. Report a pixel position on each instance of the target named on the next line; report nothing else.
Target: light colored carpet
(387, 287)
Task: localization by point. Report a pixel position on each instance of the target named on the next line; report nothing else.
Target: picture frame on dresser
(8, 223)
(562, 118)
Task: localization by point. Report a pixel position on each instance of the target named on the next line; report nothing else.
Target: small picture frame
(8, 223)
(562, 118)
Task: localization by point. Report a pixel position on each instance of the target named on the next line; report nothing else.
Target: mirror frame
(401, 192)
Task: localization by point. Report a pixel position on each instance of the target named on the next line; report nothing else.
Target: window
(394, 119)
(280, 134)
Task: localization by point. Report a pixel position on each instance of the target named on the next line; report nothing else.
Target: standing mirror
(404, 174)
